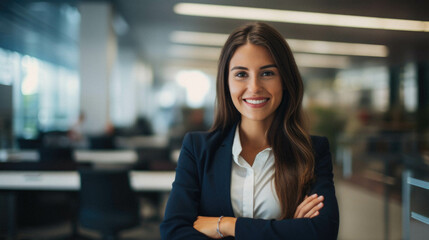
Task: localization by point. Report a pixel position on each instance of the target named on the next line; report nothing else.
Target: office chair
(102, 142)
(24, 143)
(107, 203)
(155, 159)
(45, 208)
(55, 155)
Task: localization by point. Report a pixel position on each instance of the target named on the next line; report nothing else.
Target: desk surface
(70, 180)
(92, 156)
(82, 156)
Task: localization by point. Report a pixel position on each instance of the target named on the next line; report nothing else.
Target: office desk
(70, 180)
(11, 181)
(81, 156)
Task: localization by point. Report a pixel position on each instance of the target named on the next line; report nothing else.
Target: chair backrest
(102, 142)
(154, 158)
(52, 154)
(29, 143)
(107, 203)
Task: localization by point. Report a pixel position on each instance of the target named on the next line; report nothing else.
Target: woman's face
(254, 83)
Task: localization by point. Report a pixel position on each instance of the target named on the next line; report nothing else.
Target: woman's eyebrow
(239, 67)
(245, 68)
(268, 66)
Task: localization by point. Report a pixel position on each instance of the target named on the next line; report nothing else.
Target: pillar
(98, 47)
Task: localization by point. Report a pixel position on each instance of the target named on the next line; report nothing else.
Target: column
(98, 47)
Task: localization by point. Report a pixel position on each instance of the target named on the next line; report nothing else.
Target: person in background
(257, 174)
(75, 134)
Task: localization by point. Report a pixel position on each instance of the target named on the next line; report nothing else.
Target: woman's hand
(309, 208)
(208, 226)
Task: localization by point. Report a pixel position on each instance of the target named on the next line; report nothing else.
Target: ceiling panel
(151, 22)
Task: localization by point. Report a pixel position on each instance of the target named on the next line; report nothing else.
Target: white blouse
(253, 193)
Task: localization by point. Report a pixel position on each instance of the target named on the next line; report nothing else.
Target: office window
(7, 65)
(39, 59)
(45, 96)
(409, 88)
(367, 86)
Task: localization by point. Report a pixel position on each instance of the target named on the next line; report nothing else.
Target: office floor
(361, 217)
(362, 214)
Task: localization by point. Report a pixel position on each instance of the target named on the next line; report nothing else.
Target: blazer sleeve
(324, 226)
(183, 203)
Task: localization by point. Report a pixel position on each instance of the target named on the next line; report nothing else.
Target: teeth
(256, 101)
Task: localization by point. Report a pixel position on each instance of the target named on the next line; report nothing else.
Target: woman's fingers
(314, 210)
(315, 205)
(306, 200)
(315, 214)
(309, 206)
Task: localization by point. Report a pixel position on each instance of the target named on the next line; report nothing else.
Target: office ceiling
(33, 27)
(151, 22)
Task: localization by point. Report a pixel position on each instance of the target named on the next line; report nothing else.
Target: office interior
(96, 96)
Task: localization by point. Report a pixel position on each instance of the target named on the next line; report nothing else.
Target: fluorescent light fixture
(206, 53)
(321, 61)
(338, 48)
(198, 38)
(274, 15)
(307, 46)
(303, 60)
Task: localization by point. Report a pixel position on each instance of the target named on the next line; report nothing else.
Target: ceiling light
(273, 15)
(321, 61)
(307, 46)
(303, 60)
(338, 48)
(198, 38)
(206, 53)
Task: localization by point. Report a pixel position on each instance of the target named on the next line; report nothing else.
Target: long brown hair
(288, 135)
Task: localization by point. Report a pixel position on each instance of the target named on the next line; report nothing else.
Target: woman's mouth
(256, 102)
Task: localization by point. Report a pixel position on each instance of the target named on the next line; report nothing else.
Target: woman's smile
(256, 102)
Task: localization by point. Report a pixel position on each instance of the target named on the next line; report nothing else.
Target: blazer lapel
(222, 170)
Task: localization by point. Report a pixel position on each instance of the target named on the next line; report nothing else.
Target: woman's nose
(254, 84)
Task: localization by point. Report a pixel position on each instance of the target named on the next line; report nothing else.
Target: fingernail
(320, 197)
(320, 204)
(314, 195)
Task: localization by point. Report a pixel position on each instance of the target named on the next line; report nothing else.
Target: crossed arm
(183, 221)
(309, 208)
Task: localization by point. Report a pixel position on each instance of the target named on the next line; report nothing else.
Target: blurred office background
(112, 86)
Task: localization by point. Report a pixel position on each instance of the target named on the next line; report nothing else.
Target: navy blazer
(202, 188)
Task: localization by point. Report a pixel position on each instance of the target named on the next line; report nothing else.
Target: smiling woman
(257, 174)
(255, 84)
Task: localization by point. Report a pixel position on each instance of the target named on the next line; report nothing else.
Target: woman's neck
(254, 133)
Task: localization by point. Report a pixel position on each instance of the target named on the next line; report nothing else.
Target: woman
(257, 174)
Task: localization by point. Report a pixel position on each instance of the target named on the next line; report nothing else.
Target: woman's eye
(241, 74)
(267, 73)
